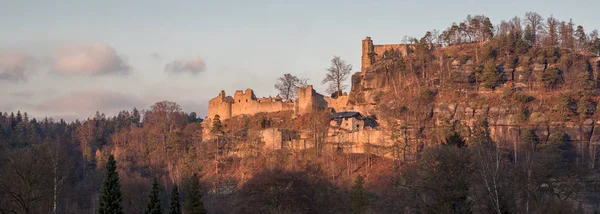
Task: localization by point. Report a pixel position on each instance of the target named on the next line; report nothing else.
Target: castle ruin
(246, 103)
(307, 99)
(373, 53)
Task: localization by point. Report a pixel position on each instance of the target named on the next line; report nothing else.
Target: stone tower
(367, 47)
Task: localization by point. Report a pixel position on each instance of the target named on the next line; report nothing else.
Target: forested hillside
(480, 118)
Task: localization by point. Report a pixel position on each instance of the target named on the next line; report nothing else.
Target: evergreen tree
(358, 196)
(174, 206)
(455, 140)
(110, 199)
(217, 126)
(193, 197)
(491, 77)
(135, 117)
(153, 206)
(551, 78)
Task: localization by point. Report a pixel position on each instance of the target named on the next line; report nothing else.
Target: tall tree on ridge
(336, 75)
(287, 84)
(534, 20)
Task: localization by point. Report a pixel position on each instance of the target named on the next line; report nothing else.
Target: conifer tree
(358, 196)
(491, 77)
(193, 197)
(217, 126)
(174, 206)
(153, 206)
(110, 199)
(455, 140)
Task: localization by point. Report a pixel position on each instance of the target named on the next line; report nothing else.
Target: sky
(69, 59)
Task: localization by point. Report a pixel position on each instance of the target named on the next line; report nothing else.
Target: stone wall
(220, 105)
(378, 50)
(309, 100)
(245, 102)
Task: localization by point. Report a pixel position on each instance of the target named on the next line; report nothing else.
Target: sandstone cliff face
(386, 75)
(506, 125)
(368, 86)
(506, 121)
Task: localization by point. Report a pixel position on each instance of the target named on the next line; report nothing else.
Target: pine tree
(193, 197)
(174, 206)
(153, 206)
(455, 140)
(110, 199)
(217, 126)
(491, 77)
(358, 196)
(135, 117)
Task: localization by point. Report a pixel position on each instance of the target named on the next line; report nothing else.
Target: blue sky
(76, 57)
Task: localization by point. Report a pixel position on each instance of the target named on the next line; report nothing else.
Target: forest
(165, 160)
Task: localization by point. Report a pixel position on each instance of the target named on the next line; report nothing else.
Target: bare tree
(25, 182)
(534, 20)
(61, 168)
(287, 84)
(317, 124)
(337, 74)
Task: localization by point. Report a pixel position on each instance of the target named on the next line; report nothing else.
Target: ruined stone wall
(273, 138)
(220, 105)
(373, 141)
(378, 51)
(309, 100)
(339, 104)
(245, 102)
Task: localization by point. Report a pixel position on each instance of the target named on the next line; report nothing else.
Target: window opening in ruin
(239, 101)
(246, 100)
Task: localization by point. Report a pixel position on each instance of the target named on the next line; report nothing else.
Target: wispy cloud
(89, 59)
(193, 66)
(15, 66)
(84, 103)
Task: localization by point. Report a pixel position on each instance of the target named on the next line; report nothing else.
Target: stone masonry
(372, 53)
(246, 103)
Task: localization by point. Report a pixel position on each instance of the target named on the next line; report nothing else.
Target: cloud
(15, 66)
(85, 103)
(89, 59)
(155, 56)
(22, 94)
(32, 93)
(201, 108)
(193, 66)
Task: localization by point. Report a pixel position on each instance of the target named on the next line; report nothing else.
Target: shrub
(585, 82)
(463, 58)
(522, 98)
(488, 53)
(523, 115)
(551, 78)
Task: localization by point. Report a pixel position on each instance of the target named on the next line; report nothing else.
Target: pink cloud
(193, 66)
(15, 66)
(89, 59)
